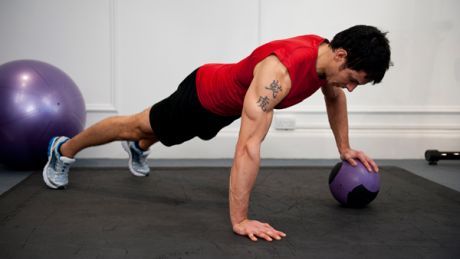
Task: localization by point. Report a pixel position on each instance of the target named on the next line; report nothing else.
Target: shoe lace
(61, 168)
(142, 157)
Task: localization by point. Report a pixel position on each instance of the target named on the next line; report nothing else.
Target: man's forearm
(242, 178)
(338, 120)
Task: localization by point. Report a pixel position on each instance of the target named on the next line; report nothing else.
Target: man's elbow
(250, 150)
(337, 97)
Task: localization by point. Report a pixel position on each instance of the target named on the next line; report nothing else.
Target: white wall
(128, 54)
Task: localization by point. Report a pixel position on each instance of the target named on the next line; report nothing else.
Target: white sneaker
(56, 171)
(137, 159)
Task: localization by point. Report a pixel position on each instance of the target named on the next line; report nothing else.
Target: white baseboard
(304, 144)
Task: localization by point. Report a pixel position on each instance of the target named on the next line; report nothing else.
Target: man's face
(339, 75)
(347, 78)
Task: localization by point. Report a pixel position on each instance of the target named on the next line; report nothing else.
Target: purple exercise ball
(353, 186)
(37, 101)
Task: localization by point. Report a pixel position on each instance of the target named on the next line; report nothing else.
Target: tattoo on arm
(263, 103)
(275, 87)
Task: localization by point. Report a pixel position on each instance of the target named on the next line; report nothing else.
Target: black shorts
(181, 117)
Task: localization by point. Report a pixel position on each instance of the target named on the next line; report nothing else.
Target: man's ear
(340, 55)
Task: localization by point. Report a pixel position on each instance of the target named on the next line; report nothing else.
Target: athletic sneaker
(137, 158)
(56, 171)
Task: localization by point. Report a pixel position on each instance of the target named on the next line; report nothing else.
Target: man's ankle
(63, 151)
(138, 146)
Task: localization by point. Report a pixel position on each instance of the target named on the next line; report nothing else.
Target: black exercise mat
(182, 213)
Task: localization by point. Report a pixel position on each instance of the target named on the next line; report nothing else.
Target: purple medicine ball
(353, 186)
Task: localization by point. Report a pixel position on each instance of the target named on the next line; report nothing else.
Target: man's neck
(324, 57)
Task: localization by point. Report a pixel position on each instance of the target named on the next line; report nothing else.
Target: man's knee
(135, 127)
(142, 124)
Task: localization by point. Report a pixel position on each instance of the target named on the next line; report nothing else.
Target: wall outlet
(285, 123)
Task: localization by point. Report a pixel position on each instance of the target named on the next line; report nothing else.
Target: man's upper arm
(271, 83)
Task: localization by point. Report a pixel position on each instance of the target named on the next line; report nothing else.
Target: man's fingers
(273, 233)
(369, 164)
(375, 166)
(351, 161)
(364, 160)
(255, 230)
(265, 236)
(351, 156)
(279, 235)
(365, 163)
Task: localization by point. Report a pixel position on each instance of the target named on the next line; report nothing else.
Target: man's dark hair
(367, 48)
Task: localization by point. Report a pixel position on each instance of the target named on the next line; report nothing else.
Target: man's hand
(254, 229)
(349, 155)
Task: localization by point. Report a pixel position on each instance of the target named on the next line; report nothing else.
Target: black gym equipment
(433, 156)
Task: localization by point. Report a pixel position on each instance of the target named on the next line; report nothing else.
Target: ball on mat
(353, 186)
(37, 101)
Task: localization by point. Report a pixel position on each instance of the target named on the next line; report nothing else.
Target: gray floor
(446, 173)
(182, 213)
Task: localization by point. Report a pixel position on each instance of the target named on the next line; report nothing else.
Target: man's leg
(145, 143)
(134, 128)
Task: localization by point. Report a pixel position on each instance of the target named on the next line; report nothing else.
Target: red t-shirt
(221, 87)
